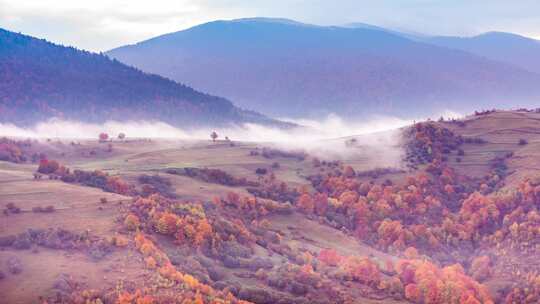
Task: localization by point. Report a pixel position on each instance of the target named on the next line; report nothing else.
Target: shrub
(47, 209)
(362, 270)
(261, 171)
(330, 257)
(14, 265)
(212, 176)
(132, 222)
(120, 241)
(156, 184)
(271, 153)
(11, 208)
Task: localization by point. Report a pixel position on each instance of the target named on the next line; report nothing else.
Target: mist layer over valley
(378, 138)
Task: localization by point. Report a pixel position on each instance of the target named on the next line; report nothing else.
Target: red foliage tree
(305, 203)
(330, 257)
(103, 137)
(48, 166)
(363, 270)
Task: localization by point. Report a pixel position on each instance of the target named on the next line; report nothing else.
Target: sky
(100, 25)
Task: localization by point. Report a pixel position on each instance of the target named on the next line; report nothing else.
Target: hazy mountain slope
(504, 47)
(403, 33)
(40, 80)
(509, 48)
(287, 68)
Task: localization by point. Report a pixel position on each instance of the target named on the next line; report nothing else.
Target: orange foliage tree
(330, 257)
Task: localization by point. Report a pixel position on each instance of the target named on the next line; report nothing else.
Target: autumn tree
(132, 222)
(321, 203)
(426, 283)
(48, 166)
(103, 137)
(305, 203)
(362, 270)
(330, 257)
(349, 172)
(116, 184)
(481, 268)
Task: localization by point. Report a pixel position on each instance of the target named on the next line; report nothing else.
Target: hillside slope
(40, 80)
(221, 223)
(281, 67)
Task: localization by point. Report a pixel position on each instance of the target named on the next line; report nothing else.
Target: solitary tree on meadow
(214, 136)
(103, 137)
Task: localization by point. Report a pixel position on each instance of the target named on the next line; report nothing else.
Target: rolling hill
(40, 80)
(282, 67)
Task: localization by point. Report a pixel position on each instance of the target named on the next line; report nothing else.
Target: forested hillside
(40, 80)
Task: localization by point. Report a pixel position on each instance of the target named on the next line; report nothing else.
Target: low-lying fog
(377, 138)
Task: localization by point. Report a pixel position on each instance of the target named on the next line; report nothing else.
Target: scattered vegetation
(151, 184)
(58, 238)
(272, 153)
(96, 179)
(215, 176)
(522, 142)
(46, 209)
(14, 150)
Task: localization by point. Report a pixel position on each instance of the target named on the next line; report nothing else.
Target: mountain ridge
(285, 69)
(518, 50)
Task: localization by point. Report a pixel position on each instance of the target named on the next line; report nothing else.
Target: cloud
(310, 130)
(96, 25)
(101, 25)
(377, 138)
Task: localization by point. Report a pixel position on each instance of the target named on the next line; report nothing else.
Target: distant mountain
(40, 80)
(514, 49)
(406, 34)
(283, 67)
(504, 47)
